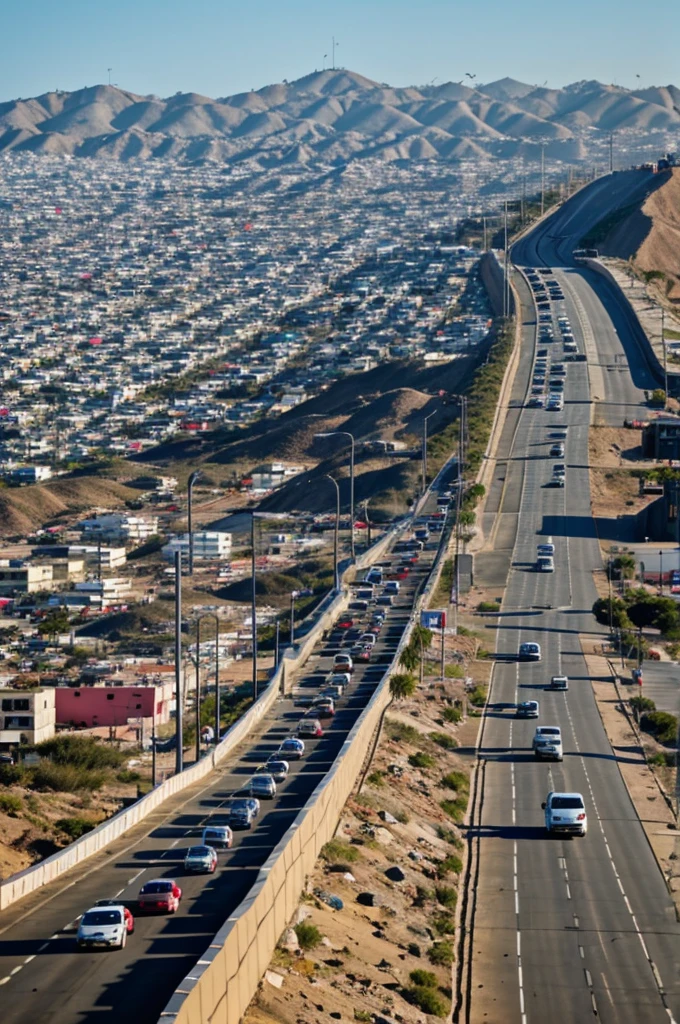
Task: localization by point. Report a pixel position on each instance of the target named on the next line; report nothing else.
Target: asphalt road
(42, 976)
(565, 930)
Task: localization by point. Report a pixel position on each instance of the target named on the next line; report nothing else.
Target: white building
(27, 714)
(117, 527)
(209, 545)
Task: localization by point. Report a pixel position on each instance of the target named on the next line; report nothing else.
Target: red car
(129, 919)
(344, 623)
(160, 894)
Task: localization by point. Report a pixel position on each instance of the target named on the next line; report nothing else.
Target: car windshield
(549, 730)
(277, 766)
(199, 851)
(99, 917)
(156, 887)
(567, 803)
(239, 805)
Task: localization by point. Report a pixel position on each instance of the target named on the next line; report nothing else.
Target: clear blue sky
(218, 47)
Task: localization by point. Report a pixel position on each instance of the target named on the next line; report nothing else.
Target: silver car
(200, 859)
(263, 786)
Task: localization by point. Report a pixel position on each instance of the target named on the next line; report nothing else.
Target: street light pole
(424, 452)
(198, 694)
(179, 757)
(346, 433)
(336, 573)
(190, 497)
(660, 571)
(293, 595)
(253, 603)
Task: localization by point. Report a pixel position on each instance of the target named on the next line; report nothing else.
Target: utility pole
(179, 754)
(665, 358)
(505, 260)
(253, 604)
(190, 493)
(611, 152)
(543, 179)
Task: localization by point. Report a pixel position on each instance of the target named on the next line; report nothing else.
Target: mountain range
(333, 116)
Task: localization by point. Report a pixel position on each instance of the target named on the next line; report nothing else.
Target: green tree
(402, 685)
(56, 622)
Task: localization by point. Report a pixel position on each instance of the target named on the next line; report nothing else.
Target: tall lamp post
(424, 452)
(660, 571)
(346, 433)
(179, 756)
(199, 620)
(336, 571)
(253, 593)
(190, 497)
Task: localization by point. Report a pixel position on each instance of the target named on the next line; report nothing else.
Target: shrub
(426, 979)
(441, 953)
(427, 999)
(456, 780)
(444, 740)
(74, 827)
(661, 725)
(402, 685)
(363, 1015)
(641, 704)
(337, 849)
(488, 606)
(11, 804)
(308, 935)
(82, 751)
(376, 779)
(421, 760)
(127, 776)
(452, 715)
(444, 924)
(455, 672)
(455, 808)
(450, 864)
(402, 732)
(446, 895)
(65, 778)
(449, 836)
(478, 697)
(423, 896)
(12, 775)
(663, 759)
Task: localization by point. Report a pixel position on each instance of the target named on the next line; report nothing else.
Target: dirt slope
(23, 509)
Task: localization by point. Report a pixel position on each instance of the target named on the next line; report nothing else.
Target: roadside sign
(433, 619)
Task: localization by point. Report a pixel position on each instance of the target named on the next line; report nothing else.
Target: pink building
(92, 706)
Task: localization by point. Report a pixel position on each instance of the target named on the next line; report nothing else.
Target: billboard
(433, 619)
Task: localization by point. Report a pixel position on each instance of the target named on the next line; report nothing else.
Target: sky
(220, 47)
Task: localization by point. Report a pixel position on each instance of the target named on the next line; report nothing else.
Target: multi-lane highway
(562, 929)
(42, 977)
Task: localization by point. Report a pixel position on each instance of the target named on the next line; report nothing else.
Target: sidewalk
(647, 309)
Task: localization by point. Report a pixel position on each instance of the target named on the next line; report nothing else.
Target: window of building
(110, 696)
(6, 705)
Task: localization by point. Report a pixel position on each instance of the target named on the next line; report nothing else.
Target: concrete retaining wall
(492, 275)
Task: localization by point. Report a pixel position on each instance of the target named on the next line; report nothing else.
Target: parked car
(201, 860)
(218, 836)
(102, 927)
(565, 813)
(291, 749)
(263, 786)
(309, 727)
(159, 894)
(129, 919)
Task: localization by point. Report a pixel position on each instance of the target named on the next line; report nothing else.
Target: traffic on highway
(569, 917)
(132, 923)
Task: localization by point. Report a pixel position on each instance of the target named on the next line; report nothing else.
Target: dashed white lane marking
(131, 880)
(15, 970)
(3, 981)
(44, 946)
(653, 967)
(29, 958)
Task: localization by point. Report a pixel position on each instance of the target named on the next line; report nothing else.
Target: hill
(338, 114)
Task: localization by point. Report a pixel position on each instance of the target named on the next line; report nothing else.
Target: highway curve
(563, 930)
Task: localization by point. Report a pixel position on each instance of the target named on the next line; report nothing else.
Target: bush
(12, 775)
(641, 704)
(449, 836)
(488, 606)
(454, 672)
(478, 697)
(308, 935)
(423, 896)
(452, 715)
(402, 732)
(426, 979)
(338, 850)
(663, 759)
(441, 953)
(127, 776)
(82, 751)
(455, 808)
(74, 827)
(450, 864)
(443, 739)
(456, 780)
(421, 760)
(11, 804)
(662, 725)
(444, 924)
(446, 895)
(376, 779)
(427, 999)
(65, 778)
(402, 685)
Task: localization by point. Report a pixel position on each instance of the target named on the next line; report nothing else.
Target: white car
(102, 927)
(559, 683)
(566, 813)
(529, 652)
(545, 563)
(547, 732)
